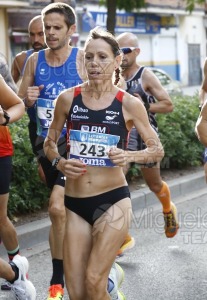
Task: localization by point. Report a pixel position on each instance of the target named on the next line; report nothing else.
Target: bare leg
(88, 259)
(57, 231)
(76, 254)
(152, 178)
(6, 271)
(7, 231)
(106, 242)
(57, 217)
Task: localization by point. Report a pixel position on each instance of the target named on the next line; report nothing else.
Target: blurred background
(172, 39)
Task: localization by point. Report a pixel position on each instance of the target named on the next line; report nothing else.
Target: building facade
(4, 23)
(170, 37)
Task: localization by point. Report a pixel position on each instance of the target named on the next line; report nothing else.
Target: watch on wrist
(7, 117)
(147, 106)
(56, 161)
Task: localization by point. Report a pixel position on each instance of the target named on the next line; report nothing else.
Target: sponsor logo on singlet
(112, 115)
(77, 108)
(111, 112)
(42, 71)
(93, 128)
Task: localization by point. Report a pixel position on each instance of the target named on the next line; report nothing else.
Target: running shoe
(6, 286)
(116, 275)
(121, 296)
(23, 288)
(171, 222)
(55, 292)
(128, 244)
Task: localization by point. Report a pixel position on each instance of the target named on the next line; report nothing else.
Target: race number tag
(45, 111)
(92, 148)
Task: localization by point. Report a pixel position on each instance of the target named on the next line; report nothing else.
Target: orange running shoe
(55, 292)
(171, 222)
(127, 245)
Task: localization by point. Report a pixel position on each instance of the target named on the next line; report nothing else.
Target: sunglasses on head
(127, 50)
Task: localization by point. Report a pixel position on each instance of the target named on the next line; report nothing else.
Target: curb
(37, 232)
(181, 186)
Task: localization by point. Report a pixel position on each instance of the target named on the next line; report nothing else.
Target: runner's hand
(118, 156)
(72, 168)
(33, 93)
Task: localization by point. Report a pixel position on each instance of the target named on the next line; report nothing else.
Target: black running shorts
(5, 174)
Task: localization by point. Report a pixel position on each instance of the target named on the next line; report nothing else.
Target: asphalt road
(157, 268)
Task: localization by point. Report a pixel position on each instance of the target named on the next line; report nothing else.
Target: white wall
(192, 31)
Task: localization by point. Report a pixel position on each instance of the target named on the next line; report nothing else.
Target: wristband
(56, 161)
(7, 117)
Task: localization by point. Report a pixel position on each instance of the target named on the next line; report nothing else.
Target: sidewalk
(182, 189)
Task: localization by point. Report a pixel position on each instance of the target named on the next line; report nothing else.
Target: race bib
(92, 148)
(45, 112)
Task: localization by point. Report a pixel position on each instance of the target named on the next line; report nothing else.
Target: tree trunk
(111, 17)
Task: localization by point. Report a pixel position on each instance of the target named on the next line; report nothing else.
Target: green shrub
(177, 134)
(27, 192)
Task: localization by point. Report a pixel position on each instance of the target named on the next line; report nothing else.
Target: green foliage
(133, 172)
(190, 4)
(177, 133)
(27, 192)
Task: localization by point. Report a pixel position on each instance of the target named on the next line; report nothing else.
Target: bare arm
(72, 168)
(17, 66)
(201, 125)
(152, 85)
(135, 114)
(203, 90)
(27, 90)
(10, 102)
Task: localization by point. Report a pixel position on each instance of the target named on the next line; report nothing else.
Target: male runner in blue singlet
(48, 73)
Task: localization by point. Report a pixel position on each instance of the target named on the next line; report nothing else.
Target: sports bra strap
(119, 95)
(77, 91)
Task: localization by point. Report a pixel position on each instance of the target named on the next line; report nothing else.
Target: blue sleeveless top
(55, 80)
(28, 53)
